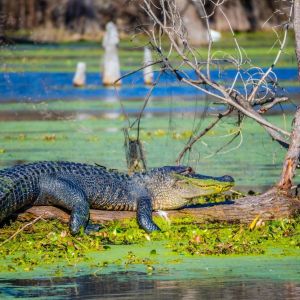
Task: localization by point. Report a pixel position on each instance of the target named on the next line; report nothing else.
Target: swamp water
(43, 117)
(170, 276)
(138, 285)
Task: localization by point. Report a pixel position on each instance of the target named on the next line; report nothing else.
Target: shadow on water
(138, 285)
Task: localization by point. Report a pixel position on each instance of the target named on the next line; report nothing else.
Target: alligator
(77, 187)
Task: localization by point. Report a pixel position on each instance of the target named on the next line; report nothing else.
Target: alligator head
(173, 187)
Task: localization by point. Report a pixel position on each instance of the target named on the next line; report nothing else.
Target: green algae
(100, 141)
(47, 246)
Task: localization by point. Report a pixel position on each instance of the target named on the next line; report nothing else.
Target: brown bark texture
(84, 16)
(292, 156)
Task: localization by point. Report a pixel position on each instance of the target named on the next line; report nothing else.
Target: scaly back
(19, 185)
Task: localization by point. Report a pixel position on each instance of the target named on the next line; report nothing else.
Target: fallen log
(274, 204)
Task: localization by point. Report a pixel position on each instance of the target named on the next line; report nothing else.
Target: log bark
(292, 157)
(274, 204)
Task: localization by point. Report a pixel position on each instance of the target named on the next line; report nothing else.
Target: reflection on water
(137, 285)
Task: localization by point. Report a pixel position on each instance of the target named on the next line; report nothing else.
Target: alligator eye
(187, 170)
(191, 170)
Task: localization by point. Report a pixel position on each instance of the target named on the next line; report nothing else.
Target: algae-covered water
(152, 270)
(170, 277)
(253, 159)
(234, 279)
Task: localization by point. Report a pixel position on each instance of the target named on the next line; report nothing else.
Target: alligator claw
(92, 228)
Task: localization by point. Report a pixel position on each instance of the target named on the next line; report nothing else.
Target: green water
(164, 276)
(253, 159)
(167, 264)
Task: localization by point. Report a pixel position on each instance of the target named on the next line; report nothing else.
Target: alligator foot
(144, 215)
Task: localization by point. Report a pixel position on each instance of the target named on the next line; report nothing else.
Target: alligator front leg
(62, 192)
(144, 214)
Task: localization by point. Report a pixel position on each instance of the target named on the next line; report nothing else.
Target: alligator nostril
(227, 178)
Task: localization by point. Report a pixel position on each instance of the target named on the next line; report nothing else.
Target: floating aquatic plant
(49, 242)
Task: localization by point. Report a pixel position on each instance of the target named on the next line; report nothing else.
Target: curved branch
(201, 134)
(221, 92)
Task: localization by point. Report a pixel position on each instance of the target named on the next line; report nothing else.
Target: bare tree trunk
(297, 31)
(22, 14)
(292, 156)
(2, 21)
(31, 14)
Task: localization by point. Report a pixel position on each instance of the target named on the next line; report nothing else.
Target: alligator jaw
(195, 185)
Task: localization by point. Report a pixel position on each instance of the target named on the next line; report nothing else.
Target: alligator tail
(15, 193)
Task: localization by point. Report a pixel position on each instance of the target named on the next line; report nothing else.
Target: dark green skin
(79, 187)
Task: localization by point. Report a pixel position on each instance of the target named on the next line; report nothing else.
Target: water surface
(211, 278)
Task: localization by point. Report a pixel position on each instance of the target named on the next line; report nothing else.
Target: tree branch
(172, 25)
(201, 134)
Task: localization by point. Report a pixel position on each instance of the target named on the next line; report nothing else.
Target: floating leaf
(49, 137)
(153, 252)
(159, 132)
(253, 223)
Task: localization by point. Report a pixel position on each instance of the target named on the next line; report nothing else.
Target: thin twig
(269, 104)
(137, 70)
(138, 119)
(21, 229)
(201, 134)
(282, 46)
(246, 111)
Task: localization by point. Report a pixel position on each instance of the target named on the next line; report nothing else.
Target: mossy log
(274, 204)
